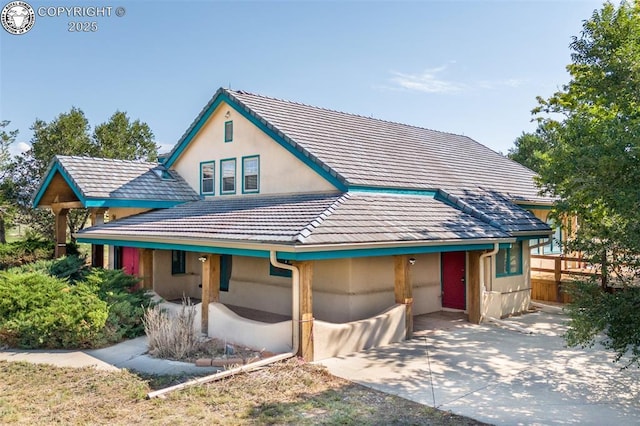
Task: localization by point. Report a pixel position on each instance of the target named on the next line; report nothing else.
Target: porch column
(473, 286)
(403, 291)
(145, 268)
(61, 231)
(306, 310)
(97, 250)
(210, 286)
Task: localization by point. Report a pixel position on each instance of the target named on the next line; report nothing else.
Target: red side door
(130, 260)
(453, 280)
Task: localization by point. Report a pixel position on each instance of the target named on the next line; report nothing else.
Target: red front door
(453, 280)
(130, 260)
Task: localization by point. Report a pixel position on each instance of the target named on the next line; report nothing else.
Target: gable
(279, 170)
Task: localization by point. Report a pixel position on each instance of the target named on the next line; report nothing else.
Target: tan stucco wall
(175, 286)
(515, 290)
(343, 289)
(115, 213)
(251, 286)
(277, 166)
(340, 339)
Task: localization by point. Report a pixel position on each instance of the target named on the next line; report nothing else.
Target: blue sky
(470, 68)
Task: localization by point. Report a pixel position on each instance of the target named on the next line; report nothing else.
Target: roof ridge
(311, 226)
(465, 207)
(351, 114)
(89, 157)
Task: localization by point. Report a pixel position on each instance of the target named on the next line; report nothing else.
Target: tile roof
(493, 208)
(333, 218)
(373, 152)
(123, 179)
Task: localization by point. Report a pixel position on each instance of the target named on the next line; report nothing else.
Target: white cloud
(18, 148)
(430, 81)
(427, 81)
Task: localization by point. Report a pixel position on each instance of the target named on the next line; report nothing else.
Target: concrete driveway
(501, 376)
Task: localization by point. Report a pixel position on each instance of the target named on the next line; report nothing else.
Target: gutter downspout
(295, 338)
(483, 289)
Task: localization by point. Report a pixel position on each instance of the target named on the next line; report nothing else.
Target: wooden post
(61, 231)
(210, 286)
(403, 292)
(145, 268)
(473, 286)
(97, 250)
(306, 310)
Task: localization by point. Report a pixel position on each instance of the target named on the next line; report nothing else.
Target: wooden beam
(145, 268)
(403, 290)
(66, 205)
(306, 310)
(473, 286)
(210, 286)
(97, 250)
(61, 232)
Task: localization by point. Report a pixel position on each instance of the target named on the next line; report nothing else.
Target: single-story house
(342, 227)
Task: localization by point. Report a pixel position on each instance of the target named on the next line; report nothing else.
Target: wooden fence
(550, 280)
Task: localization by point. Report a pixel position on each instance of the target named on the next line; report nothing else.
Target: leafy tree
(593, 167)
(529, 150)
(70, 134)
(6, 208)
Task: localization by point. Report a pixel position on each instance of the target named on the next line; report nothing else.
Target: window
(228, 176)
(228, 131)
(207, 178)
(509, 260)
(280, 272)
(178, 262)
(226, 262)
(251, 174)
(554, 244)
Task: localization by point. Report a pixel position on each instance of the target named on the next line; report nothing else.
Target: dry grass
(171, 336)
(285, 393)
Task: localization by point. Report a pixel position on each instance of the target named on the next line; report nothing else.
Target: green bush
(126, 302)
(40, 311)
(72, 267)
(24, 251)
(63, 303)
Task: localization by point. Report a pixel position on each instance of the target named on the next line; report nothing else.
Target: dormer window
(228, 131)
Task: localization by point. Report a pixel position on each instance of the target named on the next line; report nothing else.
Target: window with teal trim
(251, 174)
(207, 178)
(280, 272)
(226, 263)
(554, 244)
(178, 262)
(228, 131)
(509, 260)
(228, 176)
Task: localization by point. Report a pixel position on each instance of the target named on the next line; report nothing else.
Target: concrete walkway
(130, 354)
(501, 376)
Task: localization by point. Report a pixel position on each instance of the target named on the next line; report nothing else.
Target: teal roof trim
(88, 202)
(56, 168)
(222, 96)
(300, 256)
(386, 251)
(184, 247)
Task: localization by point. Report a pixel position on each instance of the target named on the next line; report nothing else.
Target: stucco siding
(277, 166)
(515, 290)
(175, 286)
